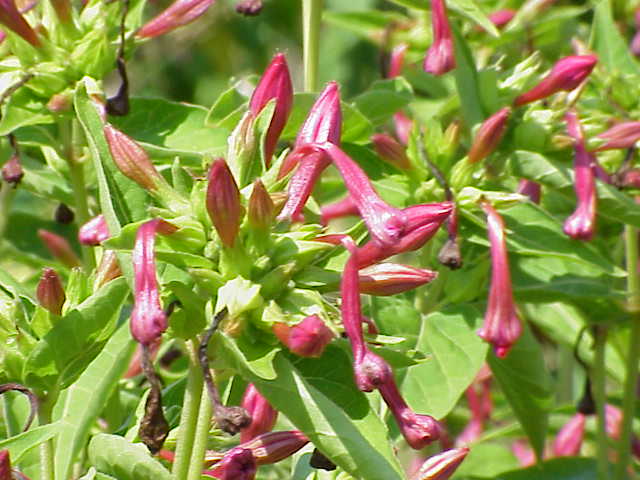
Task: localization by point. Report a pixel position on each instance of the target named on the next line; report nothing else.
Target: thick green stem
(201, 437)
(188, 417)
(47, 467)
(600, 396)
(633, 355)
(311, 20)
(7, 192)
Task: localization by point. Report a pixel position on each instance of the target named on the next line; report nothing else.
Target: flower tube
(179, 13)
(440, 57)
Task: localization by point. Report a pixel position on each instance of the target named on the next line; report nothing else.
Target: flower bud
(179, 13)
(306, 339)
(261, 211)
(263, 415)
(631, 178)
(566, 74)
(12, 171)
(94, 232)
(108, 269)
(237, 464)
(250, 8)
(569, 439)
(131, 159)
(391, 278)
(502, 17)
(391, 151)
(11, 18)
(501, 326)
(223, 202)
(59, 102)
(50, 292)
(442, 465)
(531, 189)
(59, 247)
(148, 319)
(273, 447)
(403, 126)
(440, 57)
(623, 135)
(5, 465)
(523, 452)
(489, 135)
(396, 62)
(274, 84)
(324, 121)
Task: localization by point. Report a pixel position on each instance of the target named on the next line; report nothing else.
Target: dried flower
(148, 319)
(59, 247)
(442, 465)
(94, 232)
(274, 84)
(440, 57)
(391, 151)
(566, 74)
(11, 18)
(50, 292)
(489, 135)
(581, 224)
(223, 202)
(622, 135)
(569, 439)
(179, 13)
(501, 326)
(391, 278)
(307, 339)
(263, 415)
(131, 159)
(12, 171)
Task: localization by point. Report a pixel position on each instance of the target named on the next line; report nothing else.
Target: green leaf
(23, 442)
(253, 360)
(366, 23)
(116, 456)
(42, 180)
(613, 51)
(64, 353)
(467, 83)
(81, 404)
(455, 354)
(567, 468)
(383, 99)
(22, 109)
(320, 398)
(487, 460)
(525, 381)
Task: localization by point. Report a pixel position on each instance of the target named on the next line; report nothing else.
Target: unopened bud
(237, 464)
(59, 247)
(94, 232)
(489, 135)
(391, 151)
(50, 292)
(5, 465)
(60, 102)
(11, 18)
(502, 17)
(223, 202)
(569, 439)
(263, 415)
(623, 135)
(179, 13)
(12, 171)
(442, 465)
(131, 159)
(108, 269)
(261, 211)
(249, 8)
(273, 447)
(440, 57)
(391, 278)
(631, 178)
(63, 214)
(307, 339)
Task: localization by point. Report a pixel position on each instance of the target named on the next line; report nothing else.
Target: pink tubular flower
(339, 209)
(323, 124)
(308, 338)
(391, 278)
(440, 57)
(237, 464)
(403, 124)
(263, 415)
(274, 84)
(94, 232)
(569, 439)
(622, 135)
(223, 202)
(531, 189)
(489, 135)
(148, 319)
(581, 224)
(442, 465)
(396, 60)
(11, 18)
(501, 326)
(566, 74)
(59, 247)
(391, 151)
(179, 13)
(523, 452)
(418, 430)
(50, 292)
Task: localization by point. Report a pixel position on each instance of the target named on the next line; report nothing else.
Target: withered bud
(231, 419)
(450, 255)
(50, 292)
(320, 462)
(63, 214)
(12, 171)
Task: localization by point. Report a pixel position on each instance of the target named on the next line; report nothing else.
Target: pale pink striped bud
(148, 319)
(569, 439)
(308, 338)
(223, 202)
(489, 135)
(274, 84)
(622, 135)
(391, 151)
(94, 232)
(263, 415)
(440, 57)
(501, 326)
(442, 465)
(59, 247)
(50, 292)
(11, 18)
(566, 74)
(581, 224)
(179, 13)
(391, 278)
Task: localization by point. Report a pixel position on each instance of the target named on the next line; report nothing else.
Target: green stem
(311, 20)
(47, 467)
(201, 437)
(600, 396)
(633, 355)
(189, 416)
(7, 192)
